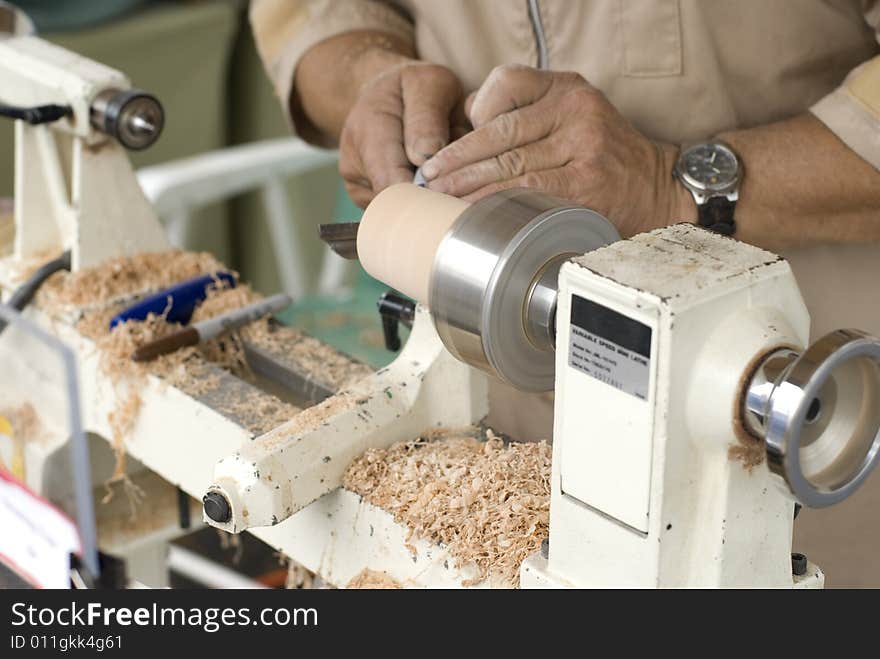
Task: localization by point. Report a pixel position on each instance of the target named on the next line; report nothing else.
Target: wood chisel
(211, 328)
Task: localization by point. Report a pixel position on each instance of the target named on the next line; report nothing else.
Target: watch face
(711, 167)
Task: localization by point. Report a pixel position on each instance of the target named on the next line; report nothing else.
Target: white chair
(180, 187)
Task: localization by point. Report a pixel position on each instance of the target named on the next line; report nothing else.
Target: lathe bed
(245, 386)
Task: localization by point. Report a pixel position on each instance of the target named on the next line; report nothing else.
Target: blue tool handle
(180, 300)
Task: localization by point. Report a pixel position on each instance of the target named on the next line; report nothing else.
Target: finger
(388, 166)
(556, 182)
(382, 153)
(361, 195)
(351, 167)
(371, 154)
(507, 88)
(505, 132)
(429, 95)
(543, 154)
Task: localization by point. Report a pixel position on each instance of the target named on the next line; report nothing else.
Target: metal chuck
(494, 281)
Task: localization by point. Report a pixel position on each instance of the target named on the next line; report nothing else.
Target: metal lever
(819, 415)
(395, 309)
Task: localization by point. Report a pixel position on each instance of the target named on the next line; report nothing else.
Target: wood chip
(123, 276)
(99, 293)
(488, 502)
(372, 580)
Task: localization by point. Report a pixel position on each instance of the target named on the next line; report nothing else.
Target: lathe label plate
(610, 347)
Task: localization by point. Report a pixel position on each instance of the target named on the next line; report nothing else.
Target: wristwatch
(711, 172)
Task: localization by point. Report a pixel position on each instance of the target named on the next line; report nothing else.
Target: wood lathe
(691, 415)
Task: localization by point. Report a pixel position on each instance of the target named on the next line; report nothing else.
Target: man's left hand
(557, 133)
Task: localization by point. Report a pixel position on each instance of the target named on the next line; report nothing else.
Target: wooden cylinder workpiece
(399, 235)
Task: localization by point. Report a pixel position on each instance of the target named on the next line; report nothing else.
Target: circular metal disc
(823, 425)
(485, 268)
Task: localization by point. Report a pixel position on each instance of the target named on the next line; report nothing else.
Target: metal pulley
(493, 284)
(818, 413)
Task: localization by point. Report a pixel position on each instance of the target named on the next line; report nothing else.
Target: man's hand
(557, 133)
(400, 119)
(388, 112)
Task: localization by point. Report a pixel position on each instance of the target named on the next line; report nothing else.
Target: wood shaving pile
(368, 579)
(179, 367)
(183, 368)
(226, 350)
(487, 502)
(307, 354)
(125, 276)
(94, 295)
(258, 411)
(102, 291)
(128, 377)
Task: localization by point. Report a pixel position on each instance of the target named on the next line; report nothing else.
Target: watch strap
(716, 214)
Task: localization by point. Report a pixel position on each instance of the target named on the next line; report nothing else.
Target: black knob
(217, 507)
(395, 309)
(798, 564)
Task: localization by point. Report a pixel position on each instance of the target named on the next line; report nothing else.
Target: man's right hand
(401, 118)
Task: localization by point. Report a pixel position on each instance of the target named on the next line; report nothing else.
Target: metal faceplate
(485, 271)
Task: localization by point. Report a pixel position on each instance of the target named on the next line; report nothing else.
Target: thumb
(430, 93)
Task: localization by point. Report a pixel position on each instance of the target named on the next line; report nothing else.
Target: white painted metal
(613, 476)
(290, 467)
(715, 305)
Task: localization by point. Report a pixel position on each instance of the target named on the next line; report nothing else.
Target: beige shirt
(679, 70)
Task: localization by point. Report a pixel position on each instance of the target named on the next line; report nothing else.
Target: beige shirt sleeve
(852, 111)
(285, 29)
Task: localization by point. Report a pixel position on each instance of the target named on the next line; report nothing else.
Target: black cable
(40, 114)
(25, 293)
